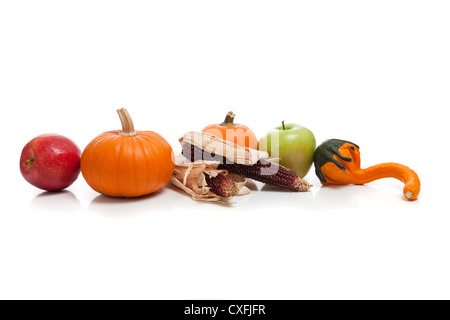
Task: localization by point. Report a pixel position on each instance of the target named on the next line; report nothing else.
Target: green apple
(293, 144)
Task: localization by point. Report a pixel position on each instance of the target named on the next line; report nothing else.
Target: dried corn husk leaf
(189, 176)
(227, 149)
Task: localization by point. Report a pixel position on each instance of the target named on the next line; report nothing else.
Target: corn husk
(189, 176)
(227, 149)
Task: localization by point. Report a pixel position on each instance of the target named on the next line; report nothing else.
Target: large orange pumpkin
(234, 132)
(127, 163)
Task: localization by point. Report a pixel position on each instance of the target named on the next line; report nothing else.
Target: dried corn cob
(263, 170)
(274, 174)
(221, 185)
(191, 178)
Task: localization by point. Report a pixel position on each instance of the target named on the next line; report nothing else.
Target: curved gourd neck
(380, 171)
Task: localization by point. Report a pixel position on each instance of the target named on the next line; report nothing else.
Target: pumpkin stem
(127, 123)
(229, 119)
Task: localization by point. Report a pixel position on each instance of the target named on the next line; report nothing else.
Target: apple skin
(294, 145)
(50, 162)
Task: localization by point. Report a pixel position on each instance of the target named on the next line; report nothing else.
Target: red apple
(50, 162)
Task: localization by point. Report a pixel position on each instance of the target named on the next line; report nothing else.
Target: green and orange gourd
(338, 162)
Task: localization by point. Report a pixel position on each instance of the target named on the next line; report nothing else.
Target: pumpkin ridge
(105, 154)
(92, 155)
(155, 139)
(152, 142)
(118, 169)
(147, 157)
(133, 163)
(165, 150)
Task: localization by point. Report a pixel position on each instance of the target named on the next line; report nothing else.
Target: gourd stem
(127, 123)
(229, 119)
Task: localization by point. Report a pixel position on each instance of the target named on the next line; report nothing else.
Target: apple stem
(229, 119)
(282, 122)
(127, 123)
(29, 162)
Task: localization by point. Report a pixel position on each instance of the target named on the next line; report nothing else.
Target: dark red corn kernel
(222, 186)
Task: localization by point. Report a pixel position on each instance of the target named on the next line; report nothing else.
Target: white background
(373, 72)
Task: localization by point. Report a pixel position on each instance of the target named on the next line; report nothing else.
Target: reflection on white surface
(61, 201)
(356, 196)
(339, 197)
(162, 200)
(277, 199)
(262, 197)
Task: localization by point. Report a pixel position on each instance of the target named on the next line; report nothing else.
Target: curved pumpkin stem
(229, 119)
(127, 123)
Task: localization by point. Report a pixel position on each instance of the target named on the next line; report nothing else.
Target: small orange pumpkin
(127, 163)
(234, 132)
